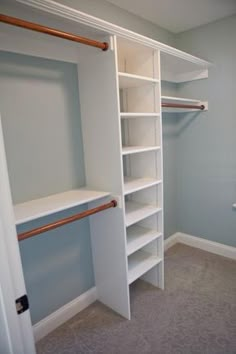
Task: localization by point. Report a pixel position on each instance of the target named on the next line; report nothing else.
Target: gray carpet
(195, 314)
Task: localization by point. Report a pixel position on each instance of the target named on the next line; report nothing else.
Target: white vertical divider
(100, 114)
(155, 275)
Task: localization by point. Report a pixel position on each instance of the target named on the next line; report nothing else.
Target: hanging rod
(180, 105)
(52, 31)
(39, 230)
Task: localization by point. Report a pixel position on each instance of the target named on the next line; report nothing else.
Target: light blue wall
(43, 140)
(114, 14)
(207, 143)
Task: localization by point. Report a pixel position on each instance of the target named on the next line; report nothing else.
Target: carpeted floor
(195, 314)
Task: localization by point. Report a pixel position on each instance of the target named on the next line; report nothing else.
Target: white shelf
(139, 263)
(126, 150)
(135, 184)
(130, 80)
(135, 212)
(182, 100)
(128, 115)
(38, 208)
(138, 237)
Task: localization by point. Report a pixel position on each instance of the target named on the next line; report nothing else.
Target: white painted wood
(132, 185)
(179, 100)
(170, 241)
(109, 258)
(141, 132)
(138, 237)
(93, 22)
(64, 313)
(134, 58)
(38, 208)
(178, 69)
(18, 328)
(207, 245)
(202, 243)
(140, 99)
(104, 171)
(128, 115)
(139, 263)
(135, 212)
(137, 149)
(130, 80)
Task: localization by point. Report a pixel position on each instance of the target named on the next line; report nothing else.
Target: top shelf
(38, 208)
(130, 80)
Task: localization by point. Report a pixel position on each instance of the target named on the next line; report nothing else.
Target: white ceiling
(178, 15)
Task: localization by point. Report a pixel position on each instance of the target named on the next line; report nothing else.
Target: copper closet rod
(180, 105)
(59, 223)
(52, 31)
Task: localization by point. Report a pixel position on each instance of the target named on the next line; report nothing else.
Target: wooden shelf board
(136, 149)
(130, 80)
(135, 212)
(135, 184)
(138, 237)
(128, 115)
(38, 208)
(139, 263)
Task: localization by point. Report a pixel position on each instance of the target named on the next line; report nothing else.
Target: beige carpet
(195, 314)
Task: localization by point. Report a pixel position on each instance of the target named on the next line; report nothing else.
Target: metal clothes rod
(180, 105)
(59, 223)
(53, 32)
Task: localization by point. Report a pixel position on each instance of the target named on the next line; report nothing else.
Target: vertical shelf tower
(120, 99)
(141, 134)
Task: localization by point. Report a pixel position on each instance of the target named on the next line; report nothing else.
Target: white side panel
(11, 274)
(98, 88)
(109, 258)
(100, 121)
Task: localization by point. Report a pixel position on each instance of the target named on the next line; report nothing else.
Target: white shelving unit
(139, 263)
(138, 76)
(120, 96)
(138, 237)
(132, 185)
(130, 80)
(39, 208)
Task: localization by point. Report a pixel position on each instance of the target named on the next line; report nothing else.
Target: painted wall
(207, 142)
(114, 14)
(40, 113)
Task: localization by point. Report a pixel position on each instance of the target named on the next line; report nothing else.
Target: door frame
(18, 328)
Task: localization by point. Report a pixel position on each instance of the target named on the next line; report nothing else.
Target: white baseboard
(171, 241)
(63, 314)
(203, 244)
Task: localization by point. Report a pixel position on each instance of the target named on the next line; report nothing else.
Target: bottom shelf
(139, 263)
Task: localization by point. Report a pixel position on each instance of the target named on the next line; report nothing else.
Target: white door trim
(18, 327)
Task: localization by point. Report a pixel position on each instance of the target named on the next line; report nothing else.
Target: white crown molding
(94, 22)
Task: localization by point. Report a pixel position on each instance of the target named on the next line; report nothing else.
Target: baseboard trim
(205, 245)
(171, 241)
(63, 314)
